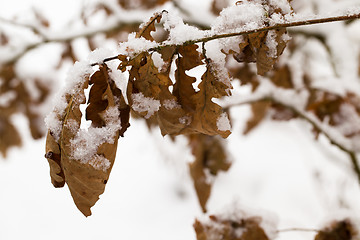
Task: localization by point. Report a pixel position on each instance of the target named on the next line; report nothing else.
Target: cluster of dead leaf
(19, 95)
(15, 98)
(183, 110)
(86, 181)
(339, 229)
(13, 87)
(329, 108)
(251, 228)
(179, 109)
(217, 227)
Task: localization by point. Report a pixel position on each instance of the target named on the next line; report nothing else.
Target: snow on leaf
(263, 47)
(207, 113)
(344, 230)
(218, 227)
(146, 105)
(223, 122)
(83, 158)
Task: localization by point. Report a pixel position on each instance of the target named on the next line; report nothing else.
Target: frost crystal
(158, 61)
(86, 142)
(135, 45)
(171, 104)
(100, 162)
(75, 79)
(179, 32)
(248, 15)
(272, 44)
(145, 104)
(223, 123)
(186, 120)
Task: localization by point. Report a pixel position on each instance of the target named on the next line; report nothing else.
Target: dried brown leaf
(53, 155)
(18, 99)
(338, 230)
(245, 75)
(9, 136)
(147, 28)
(255, 46)
(68, 53)
(324, 104)
(282, 77)
(86, 178)
(210, 158)
(41, 18)
(146, 78)
(207, 113)
(85, 181)
(3, 39)
(218, 5)
(230, 229)
(259, 111)
(183, 89)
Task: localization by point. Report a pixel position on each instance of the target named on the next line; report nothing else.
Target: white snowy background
(278, 169)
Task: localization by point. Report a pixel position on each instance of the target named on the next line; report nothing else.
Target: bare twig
(32, 28)
(298, 230)
(121, 25)
(268, 28)
(115, 28)
(277, 26)
(352, 154)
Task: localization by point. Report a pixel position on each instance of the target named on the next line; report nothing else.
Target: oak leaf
(17, 98)
(324, 104)
(210, 159)
(53, 155)
(259, 110)
(262, 47)
(218, 5)
(189, 58)
(245, 75)
(282, 77)
(148, 27)
(86, 161)
(338, 230)
(209, 116)
(9, 135)
(229, 229)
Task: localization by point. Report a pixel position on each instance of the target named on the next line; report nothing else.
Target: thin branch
(352, 154)
(268, 28)
(277, 26)
(115, 28)
(298, 230)
(32, 28)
